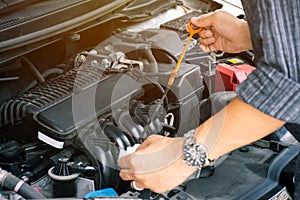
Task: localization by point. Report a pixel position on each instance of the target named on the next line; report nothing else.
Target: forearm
(236, 125)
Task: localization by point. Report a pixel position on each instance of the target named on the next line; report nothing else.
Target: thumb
(205, 20)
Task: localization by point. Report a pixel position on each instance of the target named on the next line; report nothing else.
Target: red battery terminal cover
(229, 76)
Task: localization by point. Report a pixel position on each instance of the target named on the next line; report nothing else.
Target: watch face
(194, 155)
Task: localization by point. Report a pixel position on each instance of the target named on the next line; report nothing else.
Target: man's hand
(223, 31)
(157, 164)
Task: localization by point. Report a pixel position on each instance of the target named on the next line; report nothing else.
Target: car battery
(230, 73)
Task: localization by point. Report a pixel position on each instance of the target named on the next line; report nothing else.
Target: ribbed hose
(19, 186)
(15, 109)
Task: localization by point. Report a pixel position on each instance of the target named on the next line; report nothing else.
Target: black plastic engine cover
(62, 119)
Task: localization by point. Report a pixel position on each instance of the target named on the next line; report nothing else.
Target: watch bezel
(193, 153)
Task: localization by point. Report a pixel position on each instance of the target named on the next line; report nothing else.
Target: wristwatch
(194, 154)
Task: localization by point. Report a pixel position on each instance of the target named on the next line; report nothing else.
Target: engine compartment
(70, 106)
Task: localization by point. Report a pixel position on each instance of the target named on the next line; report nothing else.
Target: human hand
(223, 31)
(157, 164)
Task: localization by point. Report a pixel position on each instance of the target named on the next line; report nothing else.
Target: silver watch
(194, 154)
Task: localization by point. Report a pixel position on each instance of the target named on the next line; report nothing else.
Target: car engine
(62, 129)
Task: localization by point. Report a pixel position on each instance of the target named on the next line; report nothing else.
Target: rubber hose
(45, 74)
(36, 74)
(19, 186)
(153, 67)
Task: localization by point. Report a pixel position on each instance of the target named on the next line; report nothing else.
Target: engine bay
(70, 106)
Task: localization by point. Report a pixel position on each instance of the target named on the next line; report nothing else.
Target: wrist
(244, 30)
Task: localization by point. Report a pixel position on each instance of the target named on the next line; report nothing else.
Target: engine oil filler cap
(64, 182)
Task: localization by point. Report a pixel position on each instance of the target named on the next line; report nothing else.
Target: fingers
(206, 33)
(156, 153)
(205, 20)
(218, 30)
(205, 48)
(206, 38)
(134, 185)
(125, 163)
(148, 142)
(137, 180)
(126, 176)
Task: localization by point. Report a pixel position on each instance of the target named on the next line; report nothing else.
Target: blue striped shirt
(274, 87)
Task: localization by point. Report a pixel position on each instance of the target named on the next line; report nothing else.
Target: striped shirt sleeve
(274, 87)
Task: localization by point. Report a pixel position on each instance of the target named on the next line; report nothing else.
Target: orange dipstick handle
(192, 32)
